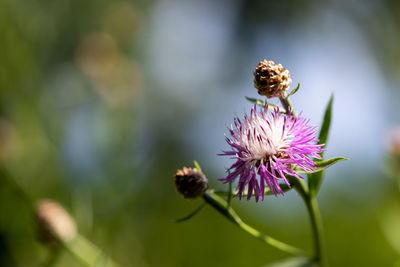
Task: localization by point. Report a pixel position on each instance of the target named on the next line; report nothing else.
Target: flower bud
(270, 79)
(393, 141)
(190, 183)
(54, 222)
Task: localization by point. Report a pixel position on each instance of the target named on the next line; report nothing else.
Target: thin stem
(310, 202)
(81, 248)
(316, 224)
(190, 215)
(287, 105)
(220, 205)
(315, 218)
(87, 253)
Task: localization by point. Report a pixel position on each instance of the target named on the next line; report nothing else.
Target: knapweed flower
(269, 147)
(270, 79)
(190, 183)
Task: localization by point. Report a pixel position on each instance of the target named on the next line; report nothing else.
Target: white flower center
(263, 140)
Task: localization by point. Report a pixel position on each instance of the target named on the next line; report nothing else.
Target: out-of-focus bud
(190, 183)
(54, 222)
(393, 141)
(270, 79)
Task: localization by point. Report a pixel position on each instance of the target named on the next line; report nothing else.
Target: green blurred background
(101, 101)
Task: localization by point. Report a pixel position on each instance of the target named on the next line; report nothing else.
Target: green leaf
(196, 165)
(315, 179)
(222, 207)
(294, 90)
(321, 165)
(284, 187)
(256, 101)
(326, 123)
(190, 215)
(261, 103)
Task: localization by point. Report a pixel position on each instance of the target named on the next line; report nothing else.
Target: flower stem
(316, 224)
(82, 249)
(221, 205)
(310, 202)
(87, 253)
(287, 105)
(315, 217)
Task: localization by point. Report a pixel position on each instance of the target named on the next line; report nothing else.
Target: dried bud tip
(190, 183)
(54, 222)
(270, 79)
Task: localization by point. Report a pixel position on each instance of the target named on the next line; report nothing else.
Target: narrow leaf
(190, 215)
(315, 179)
(222, 207)
(326, 123)
(256, 101)
(284, 187)
(294, 90)
(261, 103)
(321, 165)
(196, 165)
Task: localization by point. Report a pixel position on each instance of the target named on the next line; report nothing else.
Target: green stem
(316, 224)
(315, 218)
(81, 248)
(220, 205)
(310, 202)
(287, 105)
(87, 253)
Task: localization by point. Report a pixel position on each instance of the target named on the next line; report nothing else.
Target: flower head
(270, 79)
(190, 183)
(270, 146)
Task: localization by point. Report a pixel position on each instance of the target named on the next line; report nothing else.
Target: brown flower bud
(54, 222)
(190, 183)
(270, 79)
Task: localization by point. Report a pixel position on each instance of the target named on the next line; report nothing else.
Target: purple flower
(270, 146)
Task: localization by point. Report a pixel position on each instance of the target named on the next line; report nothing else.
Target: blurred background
(101, 101)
